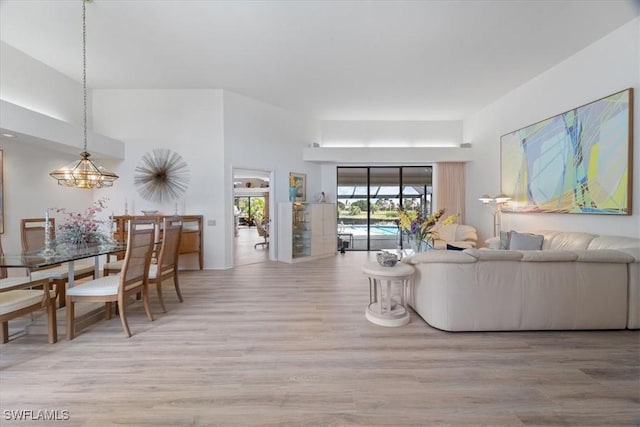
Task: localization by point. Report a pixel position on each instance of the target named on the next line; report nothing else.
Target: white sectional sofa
(576, 281)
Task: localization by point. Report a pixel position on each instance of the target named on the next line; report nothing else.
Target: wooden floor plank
(276, 344)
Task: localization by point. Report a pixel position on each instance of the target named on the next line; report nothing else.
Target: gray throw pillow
(504, 239)
(525, 242)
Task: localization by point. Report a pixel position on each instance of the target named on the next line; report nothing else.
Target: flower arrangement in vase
(421, 228)
(82, 229)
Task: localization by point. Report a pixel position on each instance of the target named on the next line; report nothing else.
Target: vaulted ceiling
(357, 60)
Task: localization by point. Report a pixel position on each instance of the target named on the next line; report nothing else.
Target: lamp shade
(485, 198)
(502, 198)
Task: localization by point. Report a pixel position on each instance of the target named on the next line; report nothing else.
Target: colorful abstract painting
(576, 162)
(1, 192)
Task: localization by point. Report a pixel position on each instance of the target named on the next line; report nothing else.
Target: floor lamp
(495, 204)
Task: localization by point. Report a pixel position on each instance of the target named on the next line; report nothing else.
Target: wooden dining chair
(20, 296)
(114, 266)
(167, 266)
(33, 238)
(133, 278)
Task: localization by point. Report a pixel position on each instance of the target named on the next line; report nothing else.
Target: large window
(368, 202)
(250, 208)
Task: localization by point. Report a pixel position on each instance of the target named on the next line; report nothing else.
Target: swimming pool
(361, 230)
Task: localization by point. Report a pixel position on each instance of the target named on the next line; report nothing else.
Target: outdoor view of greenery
(250, 208)
(381, 210)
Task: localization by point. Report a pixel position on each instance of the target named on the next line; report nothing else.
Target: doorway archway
(252, 196)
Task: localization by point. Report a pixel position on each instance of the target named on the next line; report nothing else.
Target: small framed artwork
(299, 182)
(1, 192)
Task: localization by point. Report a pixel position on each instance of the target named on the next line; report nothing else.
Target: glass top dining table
(60, 254)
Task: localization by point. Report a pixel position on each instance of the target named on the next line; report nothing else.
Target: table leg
(71, 273)
(388, 296)
(375, 290)
(96, 271)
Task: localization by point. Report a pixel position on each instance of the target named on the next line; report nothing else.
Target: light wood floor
(276, 344)
(244, 249)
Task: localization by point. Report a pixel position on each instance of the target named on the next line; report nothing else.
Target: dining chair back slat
(32, 232)
(140, 242)
(167, 265)
(32, 235)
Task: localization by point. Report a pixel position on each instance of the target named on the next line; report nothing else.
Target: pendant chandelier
(84, 173)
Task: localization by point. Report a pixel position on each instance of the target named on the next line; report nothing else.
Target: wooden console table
(190, 243)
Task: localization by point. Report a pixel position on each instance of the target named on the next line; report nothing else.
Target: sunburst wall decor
(161, 175)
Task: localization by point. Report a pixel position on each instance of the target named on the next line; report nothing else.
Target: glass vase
(419, 245)
(422, 245)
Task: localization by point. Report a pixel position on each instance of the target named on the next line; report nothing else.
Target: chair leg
(177, 285)
(107, 310)
(62, 292)
(71, 327)
(123, 317)
(4, 335)
(145, 300)
(159, 289)
(53, 324)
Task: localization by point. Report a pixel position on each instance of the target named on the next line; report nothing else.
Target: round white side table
(383, 309)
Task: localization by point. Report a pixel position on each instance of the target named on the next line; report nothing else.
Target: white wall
(264, 137)
(31, 84)
(607, 66)
(391, 133)
(214, 131)
(355, 142)
(29, 190)
(188, 122)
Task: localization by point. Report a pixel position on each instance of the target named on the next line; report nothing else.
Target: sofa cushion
(525, 242)
(494, 255)
(604, 255)
(454, 257)
(548, 256)
(634, 252)
(614, 242)
(569, 240)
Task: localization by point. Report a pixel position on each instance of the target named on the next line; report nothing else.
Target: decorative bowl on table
(386, 259)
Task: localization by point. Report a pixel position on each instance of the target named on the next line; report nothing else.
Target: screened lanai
(368, 202)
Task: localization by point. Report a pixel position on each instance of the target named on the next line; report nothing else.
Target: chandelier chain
(84, 173)
(84, 72)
